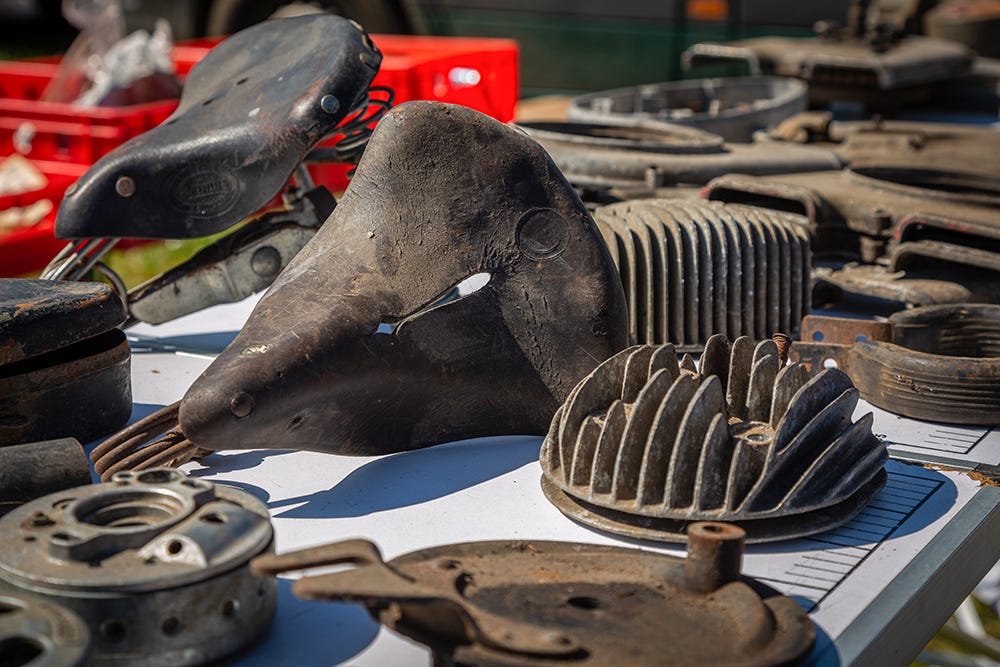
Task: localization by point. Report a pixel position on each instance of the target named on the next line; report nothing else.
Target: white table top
(922, 544)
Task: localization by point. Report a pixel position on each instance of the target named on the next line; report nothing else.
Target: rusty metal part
(937, 363)
(34, 633)
(64, 368)
(643, 446)
(954, 150)
(692, 269)
(881, 70)
(36, 469)
(733, 108)
(974, 23)
(156, 563)
(442, 194)
(654, 155)
(558, 603)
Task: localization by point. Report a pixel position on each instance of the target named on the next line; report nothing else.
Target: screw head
(125, 186)
(330, 104)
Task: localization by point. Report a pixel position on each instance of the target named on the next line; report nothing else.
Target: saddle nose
(363, 345)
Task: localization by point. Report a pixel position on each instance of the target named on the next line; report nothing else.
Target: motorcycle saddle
(249, 113)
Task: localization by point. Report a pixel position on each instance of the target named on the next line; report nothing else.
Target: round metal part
(644, 445)
(692, 268)
(156, 562)
(550, 603)
(733, 108)
(34, 633)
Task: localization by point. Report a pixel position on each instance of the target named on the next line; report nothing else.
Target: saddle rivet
(125, 186)
(329, 104)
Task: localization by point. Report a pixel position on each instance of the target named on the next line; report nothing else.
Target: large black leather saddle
(250, 111)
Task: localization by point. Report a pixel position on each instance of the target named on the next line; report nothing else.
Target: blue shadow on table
(411, 478)
(312, 634)
(204, 343)
(913, 498)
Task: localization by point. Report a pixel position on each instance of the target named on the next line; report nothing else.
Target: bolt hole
(229, 608)
(818, 335)
(112, 630)
(30, 538)
(64, 537)
(584, 602)
(170, 626)
(213, 517)
(61, 503)
(174, 547)
(206, 102)
(242, 81)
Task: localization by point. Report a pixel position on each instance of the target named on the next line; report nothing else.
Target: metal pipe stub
(644, 445)
(35, 469)
(557, 603)
(156, 563)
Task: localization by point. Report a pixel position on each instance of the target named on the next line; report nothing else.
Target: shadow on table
(311, 634)
(913, 498)
(411, 478)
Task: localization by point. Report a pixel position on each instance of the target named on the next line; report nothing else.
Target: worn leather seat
(250, 111)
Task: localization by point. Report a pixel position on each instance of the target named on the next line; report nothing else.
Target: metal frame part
(645, 445)
(733, 108)
(556, 603)
(156, 563)
(936, 363)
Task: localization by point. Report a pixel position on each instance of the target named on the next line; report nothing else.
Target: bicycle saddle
(381, 356)
(250, 111)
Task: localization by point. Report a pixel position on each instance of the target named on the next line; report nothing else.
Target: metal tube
(715, 553)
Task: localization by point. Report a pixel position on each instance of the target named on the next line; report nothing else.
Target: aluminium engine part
(156, 563)
(869, 61)
(645, 445)
(692, 269)
(35, 469)
(252, 110)
(64, 367)
(936, 363)
(733, 108)
(645, 156)
(442, 194)
(515, 604)
(34, 633)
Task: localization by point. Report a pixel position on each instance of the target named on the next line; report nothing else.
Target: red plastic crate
(31, 248)
(481, 73)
